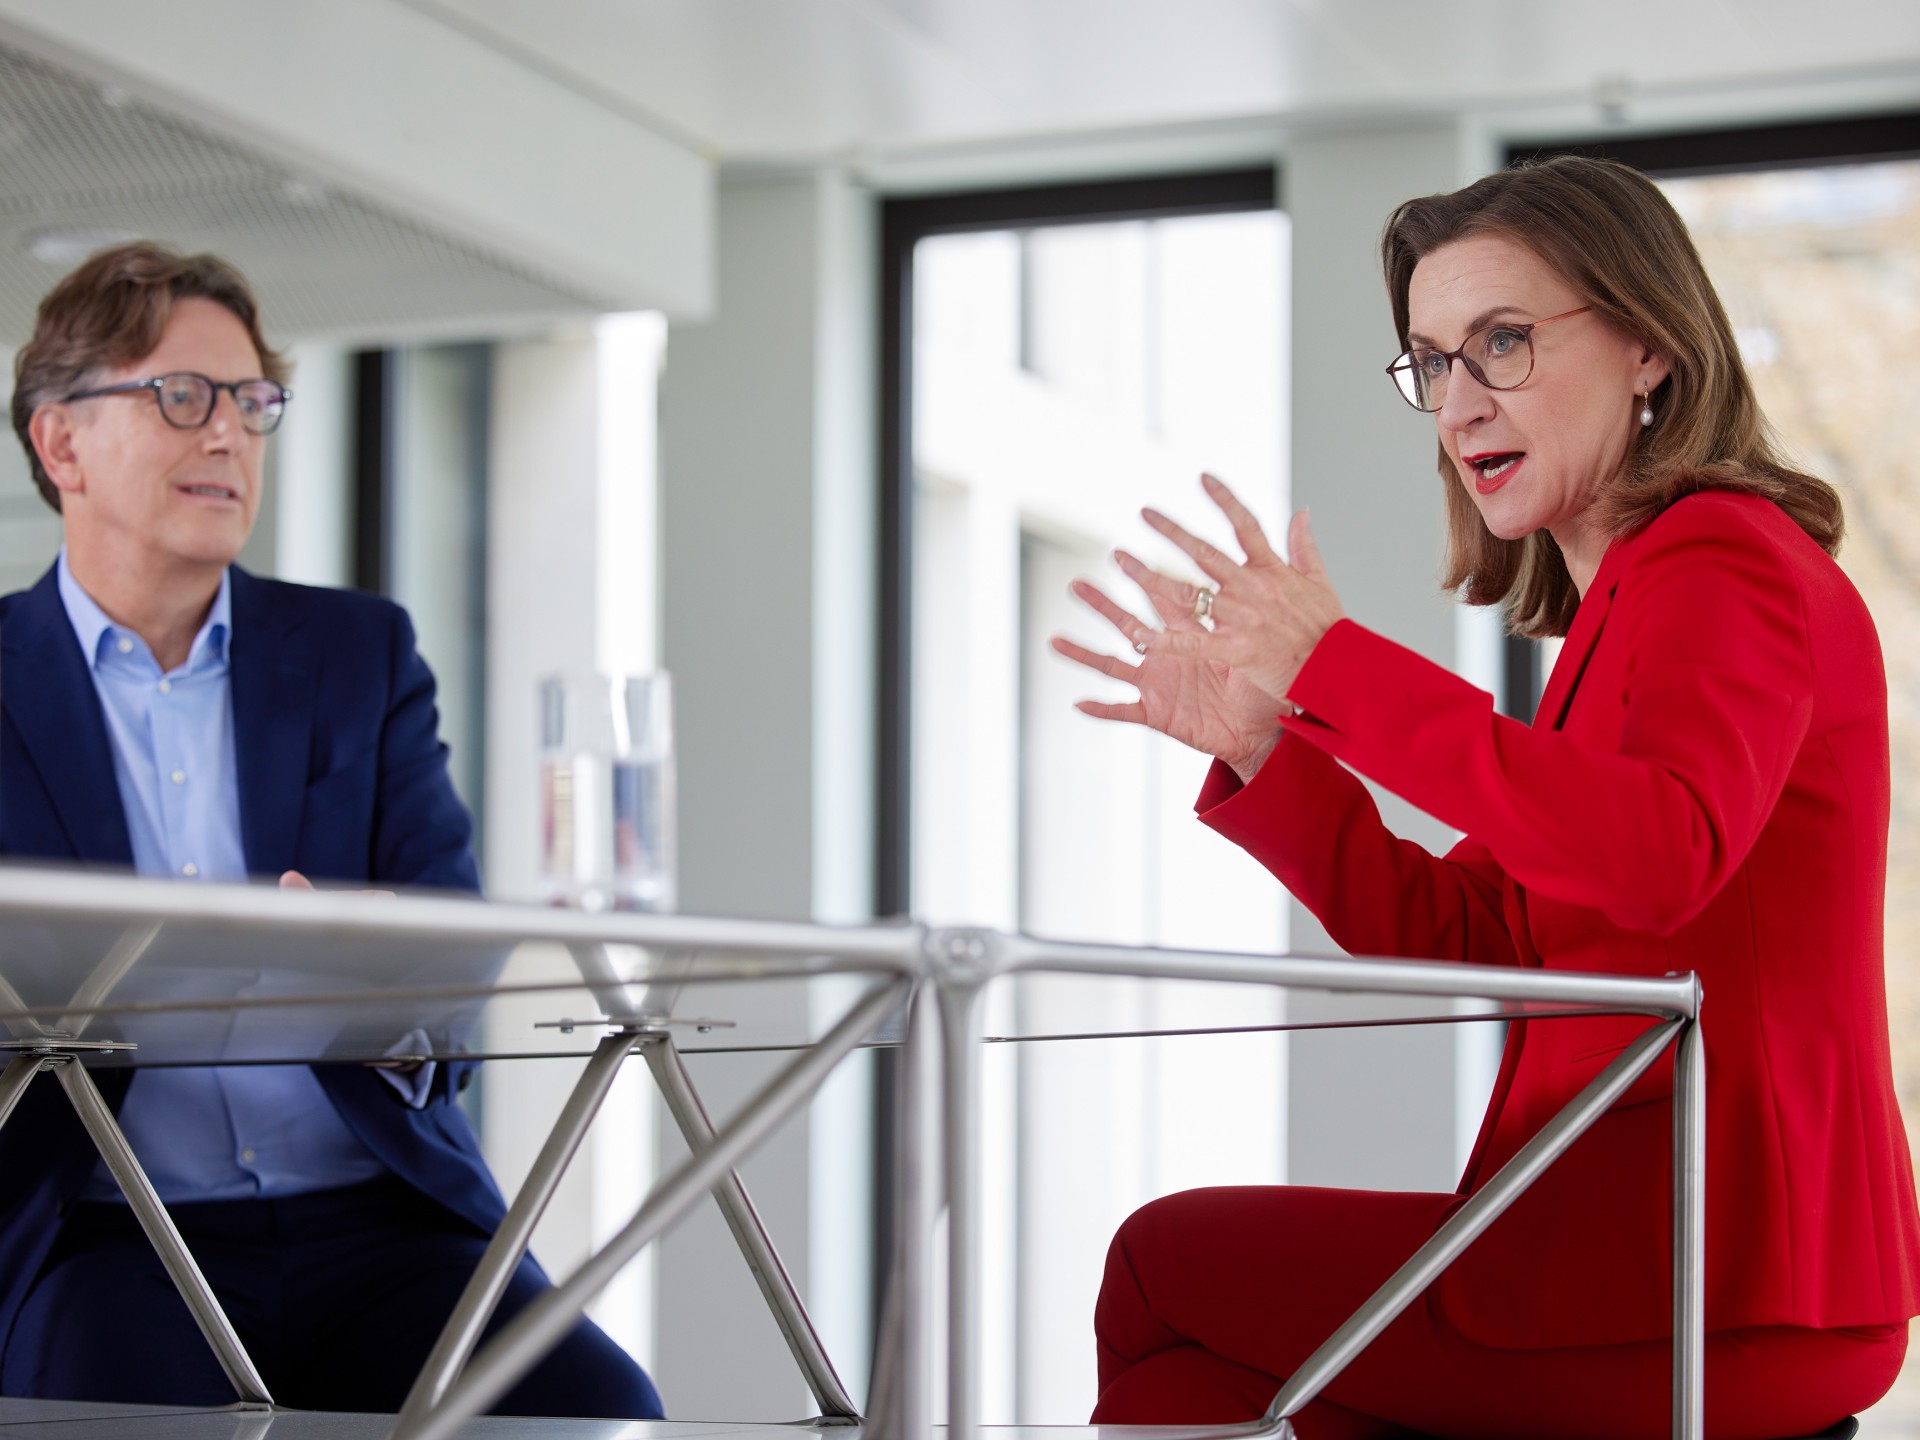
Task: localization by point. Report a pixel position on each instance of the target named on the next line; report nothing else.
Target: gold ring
(1203, 603)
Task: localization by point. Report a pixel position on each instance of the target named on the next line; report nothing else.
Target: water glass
(607, 791)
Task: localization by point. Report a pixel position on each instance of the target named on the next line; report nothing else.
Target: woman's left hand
(1267, 614)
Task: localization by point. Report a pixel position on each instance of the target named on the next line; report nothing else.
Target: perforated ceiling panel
(76, 158)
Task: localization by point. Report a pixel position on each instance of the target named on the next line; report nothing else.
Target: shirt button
(189, 869)
(125, 646)
(179, 777)
(166, 687)
(246, 1156)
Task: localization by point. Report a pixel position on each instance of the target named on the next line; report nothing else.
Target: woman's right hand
(1199, 703)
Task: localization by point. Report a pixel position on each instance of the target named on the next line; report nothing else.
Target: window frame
(904, 222)
(1802, 144)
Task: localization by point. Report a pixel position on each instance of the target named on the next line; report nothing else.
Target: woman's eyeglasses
(186, 400)
(1499, 356)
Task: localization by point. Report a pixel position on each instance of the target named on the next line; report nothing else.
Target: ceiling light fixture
(1613, 97)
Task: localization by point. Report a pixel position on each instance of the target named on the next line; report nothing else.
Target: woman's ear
(1653, 372)
(52, 431)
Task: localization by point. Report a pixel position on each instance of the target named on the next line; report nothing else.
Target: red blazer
(1705, 788)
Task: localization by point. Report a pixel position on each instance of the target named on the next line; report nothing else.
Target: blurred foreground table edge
(941, 976)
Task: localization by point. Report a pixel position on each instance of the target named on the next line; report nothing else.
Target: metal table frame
(945, 973)
(456, 1384)
(965, 963)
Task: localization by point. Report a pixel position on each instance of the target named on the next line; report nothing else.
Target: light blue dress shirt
(202, 1134)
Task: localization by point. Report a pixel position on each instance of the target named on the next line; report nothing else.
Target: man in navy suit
(166, 712)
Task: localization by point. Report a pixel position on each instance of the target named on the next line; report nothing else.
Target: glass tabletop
(155, 972)
(145, 972)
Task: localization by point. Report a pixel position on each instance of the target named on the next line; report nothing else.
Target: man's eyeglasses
(186, 400)
(1499, 356)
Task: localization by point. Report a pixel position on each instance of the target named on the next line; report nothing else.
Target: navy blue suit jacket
(342, 777)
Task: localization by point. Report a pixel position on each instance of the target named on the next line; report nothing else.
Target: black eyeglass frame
(270, 416)
(1406, 359)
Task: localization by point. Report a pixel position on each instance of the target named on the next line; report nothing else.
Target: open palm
(1200, 703)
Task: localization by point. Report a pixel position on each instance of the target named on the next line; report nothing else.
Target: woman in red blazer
(1704, 788)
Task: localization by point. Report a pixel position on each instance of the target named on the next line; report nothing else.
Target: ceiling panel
(80, 164)
(781, 79)
(872, 81)
(1484, 51)
(770, 79)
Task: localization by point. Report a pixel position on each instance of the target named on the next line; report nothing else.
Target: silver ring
(1139, 647)
(1203, 603)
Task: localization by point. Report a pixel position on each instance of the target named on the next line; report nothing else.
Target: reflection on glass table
(139, 973)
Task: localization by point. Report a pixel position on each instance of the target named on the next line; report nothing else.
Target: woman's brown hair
(1608, 230)
(112, 311)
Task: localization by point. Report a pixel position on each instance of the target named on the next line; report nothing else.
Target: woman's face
(1536, 456)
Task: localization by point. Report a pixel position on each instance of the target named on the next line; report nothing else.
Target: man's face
(140, 486)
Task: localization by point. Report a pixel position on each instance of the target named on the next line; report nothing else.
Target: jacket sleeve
(1718, 697)
(1313, 824)
(422, 833)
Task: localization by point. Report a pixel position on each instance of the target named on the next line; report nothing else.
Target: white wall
(567, 487)
(767, 524)
(1371, 1109)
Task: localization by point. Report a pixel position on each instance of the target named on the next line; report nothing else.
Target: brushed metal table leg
(542, 1325)
(1467, 1223)
(960, 1047)
(901, 1404)
(1689, 1234)
(503, 1254)
(144, 1201)
(13, 1083)
(789, 1311)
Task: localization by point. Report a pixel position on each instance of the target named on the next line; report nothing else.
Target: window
(1067, 368)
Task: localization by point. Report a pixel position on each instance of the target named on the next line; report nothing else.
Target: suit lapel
(1588, 621)
(274, 681)
(50, 698)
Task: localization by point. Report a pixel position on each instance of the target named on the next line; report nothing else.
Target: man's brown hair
(1608, 231)
(111, 312)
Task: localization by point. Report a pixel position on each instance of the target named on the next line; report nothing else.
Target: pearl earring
(1646, 410)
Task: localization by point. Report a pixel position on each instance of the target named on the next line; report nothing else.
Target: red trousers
(1212, 1297)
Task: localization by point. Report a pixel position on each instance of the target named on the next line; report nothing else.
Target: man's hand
(294, 880)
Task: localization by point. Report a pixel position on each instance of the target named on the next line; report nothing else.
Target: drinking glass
(607, 791)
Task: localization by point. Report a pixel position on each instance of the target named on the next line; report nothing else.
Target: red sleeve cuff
(1222, 784)
(1327, 677)
(1280, 808)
